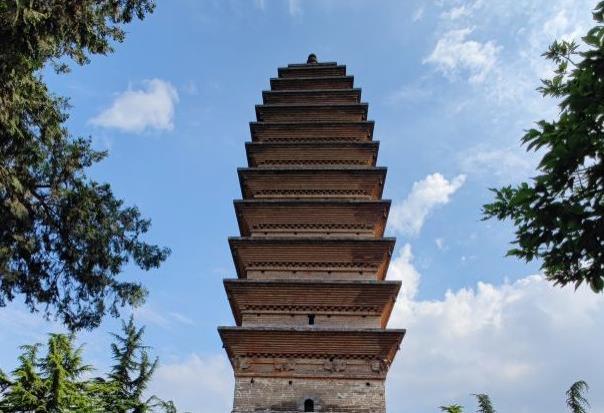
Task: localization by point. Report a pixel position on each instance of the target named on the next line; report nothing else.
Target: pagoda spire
(312, 59)
(309, 300)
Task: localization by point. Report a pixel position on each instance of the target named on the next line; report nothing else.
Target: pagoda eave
(324, 182)
(316, 112)
(279, 154)
(321, 82)
(312, 131)
(312, 71)
(309, 257)
(364, 218)
(317, 296)
(352, 95)
(311, 352)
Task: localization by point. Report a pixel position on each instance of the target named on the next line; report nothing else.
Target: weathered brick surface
(321, 320)
(288, 395)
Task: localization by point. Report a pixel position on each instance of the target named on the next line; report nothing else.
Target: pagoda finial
(312, 59)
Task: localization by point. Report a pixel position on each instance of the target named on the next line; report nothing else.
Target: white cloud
(523, 343)
(507, 77)
(137, 110)
(148, 315)
(453, 54)
(408, 216)
(440, 243)
(402, 269)
(505, 164)
(456, 12)
(294, 7)
(200, 384)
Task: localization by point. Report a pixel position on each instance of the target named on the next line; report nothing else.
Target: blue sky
(451, 86)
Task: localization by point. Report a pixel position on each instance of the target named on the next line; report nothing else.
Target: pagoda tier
(343, 112)
(312, 83)
(312, 183)
(359, 304)
(312, 218)
(312, 71)
(310, 301)
(308, 258)
(304, 154)
(271, 97)
(311, 353)
(326, 131)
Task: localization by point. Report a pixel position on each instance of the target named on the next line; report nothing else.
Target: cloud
(294, 7)
(148, 315)
(454, 54)
(456, 12)
(522, 342)
(507, 77)
(505, 164)
(200, 384)
(408, 216)
(402, 269)
(138, 110)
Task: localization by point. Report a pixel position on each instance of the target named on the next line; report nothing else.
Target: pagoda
(310, 301)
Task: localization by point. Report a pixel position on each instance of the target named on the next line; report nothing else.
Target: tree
(56, 382)
(64, 238)
(453, 408)
(484, 403)
(559, 215)
(51, 383)
(575, 399)
(131, 373)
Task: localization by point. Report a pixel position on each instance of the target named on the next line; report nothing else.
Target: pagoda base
(267, 395)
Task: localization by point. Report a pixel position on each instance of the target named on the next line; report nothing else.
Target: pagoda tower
(310, 302)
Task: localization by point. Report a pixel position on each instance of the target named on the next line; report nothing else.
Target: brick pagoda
(310, 301)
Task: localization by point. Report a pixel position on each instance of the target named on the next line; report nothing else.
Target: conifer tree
(64, 238)
(575, 399)
(56, 382)
(484, 403)
(131, 373)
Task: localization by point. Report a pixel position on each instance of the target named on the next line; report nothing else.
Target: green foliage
(453, 408)
(56, 382)
(575, 399)
(559, 216)
(52, 383)
(64, 238)
(484, 403)
(131, 373)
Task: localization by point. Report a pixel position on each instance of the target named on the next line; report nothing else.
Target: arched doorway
(309, 405)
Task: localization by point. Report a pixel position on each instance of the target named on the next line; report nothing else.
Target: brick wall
(288, 395)
(321, 320)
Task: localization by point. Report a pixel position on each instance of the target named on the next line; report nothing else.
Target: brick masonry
(328, 395)
(310, 301)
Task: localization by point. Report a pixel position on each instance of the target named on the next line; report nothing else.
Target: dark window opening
(309, 405)
(311, 321)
